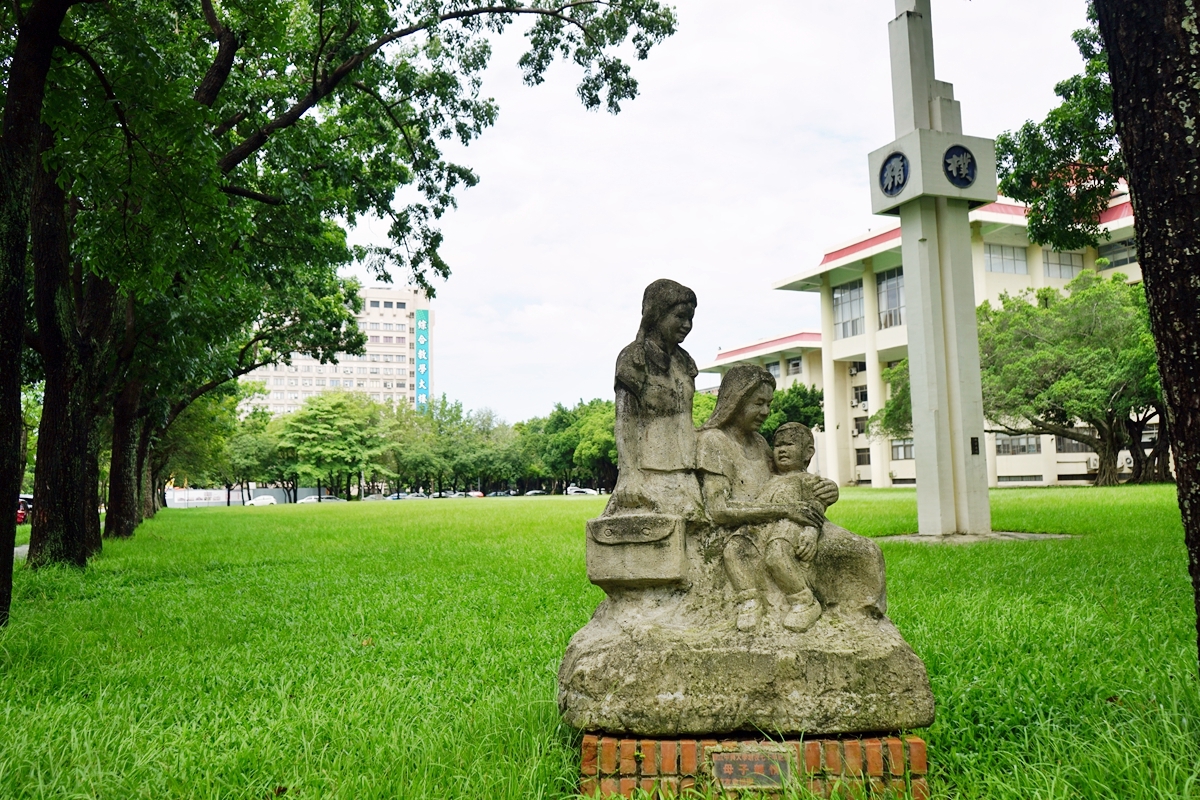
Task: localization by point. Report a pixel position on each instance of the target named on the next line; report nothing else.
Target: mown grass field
(409, 650)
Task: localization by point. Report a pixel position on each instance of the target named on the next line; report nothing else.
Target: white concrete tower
(931, 176)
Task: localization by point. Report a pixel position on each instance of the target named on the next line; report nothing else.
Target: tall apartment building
(863, 331)
(396, 367)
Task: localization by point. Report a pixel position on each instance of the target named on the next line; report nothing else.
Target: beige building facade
(864, 331)
(387, 372)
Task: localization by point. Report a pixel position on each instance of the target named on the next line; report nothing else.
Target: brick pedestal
(849, 767)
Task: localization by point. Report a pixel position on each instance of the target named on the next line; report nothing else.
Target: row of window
(387, 326)
(338, 383)
(848, 309)
(794, 365)
(387, 304)
(1012, 260)
(1006, 445)
(374, 339)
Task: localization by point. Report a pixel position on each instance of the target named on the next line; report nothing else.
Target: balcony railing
(891, 317)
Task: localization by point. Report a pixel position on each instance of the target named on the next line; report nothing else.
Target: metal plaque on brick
(750, 770)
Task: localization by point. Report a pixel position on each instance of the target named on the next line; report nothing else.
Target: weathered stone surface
(665, 662)
(733, 603)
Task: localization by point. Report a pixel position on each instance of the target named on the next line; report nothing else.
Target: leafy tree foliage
(798, 403)
(894, 420)
(1067, 167)
(1051, 362)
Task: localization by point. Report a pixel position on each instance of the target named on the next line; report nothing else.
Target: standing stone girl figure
(655, 383)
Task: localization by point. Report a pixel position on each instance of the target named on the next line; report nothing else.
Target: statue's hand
(827, 493)
(807, 549)
(805, 515)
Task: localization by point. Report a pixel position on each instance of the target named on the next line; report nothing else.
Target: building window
(306, 382)
(1002, 258)
(387, 326)
(279, 381)
(374, 356)
(1062, 265)
(1019, 478)
(860, 425)
(794, 366)
(362, 370)
(1024, 444)
(401, 305)
(1119, 253)
(1064, 445)
(387, 340)
(860, 395)
(291, 381)
(347, 370)
(374, 304)
(848, 310)
(773, 368)
(335, 382)
(387, 303)
(374, 339)
(401, 327)
(902, 449)
(374, 370)
(890, 286)
(374, 326)
(862, 457)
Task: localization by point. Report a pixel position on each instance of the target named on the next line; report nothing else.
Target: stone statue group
(733, 603)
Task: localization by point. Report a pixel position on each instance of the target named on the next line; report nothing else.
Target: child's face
(792, 456)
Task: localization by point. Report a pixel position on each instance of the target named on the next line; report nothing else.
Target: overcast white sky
(742, 161)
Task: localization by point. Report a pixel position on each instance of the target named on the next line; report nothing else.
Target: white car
(262, 500)
(580, 490)
(312, 498)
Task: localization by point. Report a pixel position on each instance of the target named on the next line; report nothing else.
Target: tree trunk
(1158, 463)
(72, 330)
(123, 512)
(28, 65)
(1154, 62)
(1135, 428)
(147, 487)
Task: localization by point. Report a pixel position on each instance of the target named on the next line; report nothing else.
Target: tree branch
(327, 83)
(227, 47)
(109, 93)
(250, 194)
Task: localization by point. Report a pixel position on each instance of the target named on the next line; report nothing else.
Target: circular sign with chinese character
(893, 175)
(959, 166)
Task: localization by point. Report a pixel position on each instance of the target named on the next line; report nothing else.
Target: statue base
(844, 675)
(612, 766)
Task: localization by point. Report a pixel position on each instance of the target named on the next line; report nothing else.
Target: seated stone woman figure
(735, 468)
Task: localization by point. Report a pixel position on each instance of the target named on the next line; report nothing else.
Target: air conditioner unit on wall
(1129, 461)
(1093, 463)
(853, 371)
(854, 432)
(863, 408)
(854, 404)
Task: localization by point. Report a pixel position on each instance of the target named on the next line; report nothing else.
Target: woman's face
(757, 408)
(677, 323)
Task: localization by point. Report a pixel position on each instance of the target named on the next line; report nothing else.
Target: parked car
(264, 500)
(533, 492)
(398, 496)
(580, 490)
(474, 494)
(325, 498)
(24, 508)
(417, 496)
(374, 497)
(500, 494)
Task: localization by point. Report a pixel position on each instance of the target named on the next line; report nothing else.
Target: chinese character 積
(422, 355)
(894, 174)
(421, 368)
(421, 340)
(422, 398)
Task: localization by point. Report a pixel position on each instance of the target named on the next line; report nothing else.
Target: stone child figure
(790, 546)
(655, 383)
(735, 463)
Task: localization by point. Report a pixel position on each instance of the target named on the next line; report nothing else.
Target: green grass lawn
(409, 650)
(22, 535)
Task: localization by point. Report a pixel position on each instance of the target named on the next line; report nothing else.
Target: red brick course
(617, 767)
